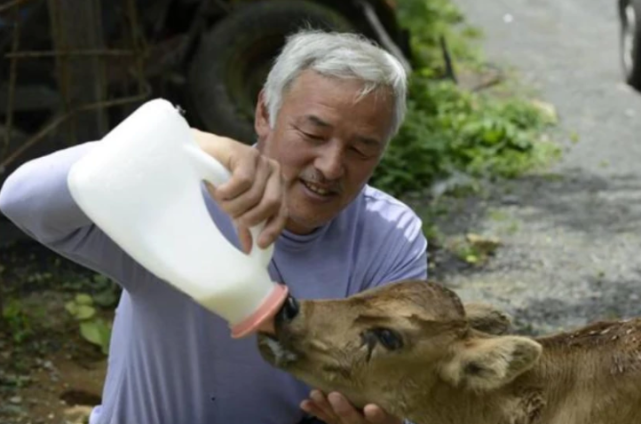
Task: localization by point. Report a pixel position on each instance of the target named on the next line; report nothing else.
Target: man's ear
(261, 117)
(486, 318)
(486, 363)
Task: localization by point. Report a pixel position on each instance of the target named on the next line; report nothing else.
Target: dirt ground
(48, 372)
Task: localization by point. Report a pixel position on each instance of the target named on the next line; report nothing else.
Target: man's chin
(306, 220)
(302, 226)
(305, 216)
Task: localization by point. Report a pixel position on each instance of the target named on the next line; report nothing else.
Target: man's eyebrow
(369, 141)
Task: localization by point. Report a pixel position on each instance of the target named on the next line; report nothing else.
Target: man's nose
(330, 162)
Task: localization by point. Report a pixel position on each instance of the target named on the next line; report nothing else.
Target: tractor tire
(233, 59)
(630, 49)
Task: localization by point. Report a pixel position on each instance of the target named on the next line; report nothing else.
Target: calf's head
(395, 345)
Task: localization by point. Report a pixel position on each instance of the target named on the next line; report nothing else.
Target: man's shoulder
(381, 213)
(377, 203)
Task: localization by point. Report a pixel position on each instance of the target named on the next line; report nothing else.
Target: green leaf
(71, 307)
(105, 298)
(101, 281)
(85, 312)
(472, 259)
(96, 332)
(84, 299)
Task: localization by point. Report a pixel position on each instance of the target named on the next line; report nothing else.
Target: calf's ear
(486, 363)
(487, 318)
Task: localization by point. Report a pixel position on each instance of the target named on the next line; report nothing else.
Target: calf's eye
(390, 339)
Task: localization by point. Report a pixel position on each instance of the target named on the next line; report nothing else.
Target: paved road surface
(573, 243)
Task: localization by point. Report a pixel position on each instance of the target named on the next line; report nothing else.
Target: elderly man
(329, 107)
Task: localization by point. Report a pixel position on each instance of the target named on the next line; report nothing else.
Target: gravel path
(572, 237)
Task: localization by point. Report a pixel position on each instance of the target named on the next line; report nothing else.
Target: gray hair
(337, 55)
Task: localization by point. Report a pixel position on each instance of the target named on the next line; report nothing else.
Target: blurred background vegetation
(451, 128)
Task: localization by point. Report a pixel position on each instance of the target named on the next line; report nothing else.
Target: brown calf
(411, 348)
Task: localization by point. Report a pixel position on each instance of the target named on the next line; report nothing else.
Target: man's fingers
(312, 408)
(336, 409)
(374, 414)
(243, 176)
(341, 406)
(238, 206)
(321, 402)
(264, 203)
(245, 238)
(323, 406)
(255, 192)
(273, 227)
(272, 210)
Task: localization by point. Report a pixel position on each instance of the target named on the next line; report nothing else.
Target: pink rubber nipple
(263, 318)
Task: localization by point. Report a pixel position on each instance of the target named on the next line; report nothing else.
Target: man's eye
(390, 339)
(362, 154)
(313, 137)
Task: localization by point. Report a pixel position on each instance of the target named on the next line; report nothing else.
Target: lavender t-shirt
(170, 360)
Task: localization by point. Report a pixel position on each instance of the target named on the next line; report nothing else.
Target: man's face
(327, 141)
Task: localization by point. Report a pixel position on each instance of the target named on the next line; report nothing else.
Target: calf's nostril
(290, 309)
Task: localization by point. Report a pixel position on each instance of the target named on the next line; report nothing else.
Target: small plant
(475, 249)
(17, 320)
(92, 328)
(449, 130)
(108, 292)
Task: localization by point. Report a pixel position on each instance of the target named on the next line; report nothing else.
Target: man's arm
(36, 199)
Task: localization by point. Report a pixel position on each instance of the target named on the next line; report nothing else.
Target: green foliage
(428, 21)
(17, 319)
(98, 332)
(448, 129)
(92, 328)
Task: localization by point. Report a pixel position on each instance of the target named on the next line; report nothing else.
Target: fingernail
(373, 413)
(316, 396)
(265, 242)
(337, 401)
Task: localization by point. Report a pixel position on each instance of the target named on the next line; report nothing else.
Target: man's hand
(253, 194)
(336, 409)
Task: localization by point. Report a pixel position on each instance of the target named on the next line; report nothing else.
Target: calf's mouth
(275, 352)
(275, 349)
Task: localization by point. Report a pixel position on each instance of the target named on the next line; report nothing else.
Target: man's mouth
(319, 190)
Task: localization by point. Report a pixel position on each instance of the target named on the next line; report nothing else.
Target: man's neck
(299, 229)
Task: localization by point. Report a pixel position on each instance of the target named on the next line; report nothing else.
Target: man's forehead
(310, 83)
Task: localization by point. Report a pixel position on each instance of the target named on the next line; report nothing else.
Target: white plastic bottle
(142, 186)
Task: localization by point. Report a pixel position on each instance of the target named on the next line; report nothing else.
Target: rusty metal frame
(138, 49)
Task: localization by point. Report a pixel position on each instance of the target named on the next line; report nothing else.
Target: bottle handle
(214, 172)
